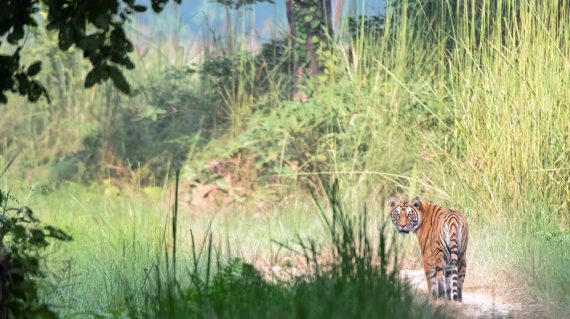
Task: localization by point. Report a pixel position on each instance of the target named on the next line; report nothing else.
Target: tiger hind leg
(461, 275)
(453, 285)
(452, 263)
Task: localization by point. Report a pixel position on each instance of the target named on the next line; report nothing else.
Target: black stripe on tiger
(442, 235)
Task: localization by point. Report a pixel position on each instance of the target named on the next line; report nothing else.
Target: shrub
(22, 238)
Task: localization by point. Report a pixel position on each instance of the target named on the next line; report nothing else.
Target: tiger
(442, 235)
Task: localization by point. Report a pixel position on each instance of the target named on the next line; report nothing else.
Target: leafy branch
(22, 237)
(95, 27)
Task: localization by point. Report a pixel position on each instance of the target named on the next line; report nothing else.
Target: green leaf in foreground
(119, 79)
(34, 68)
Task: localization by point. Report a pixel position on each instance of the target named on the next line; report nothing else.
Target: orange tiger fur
(442, 235)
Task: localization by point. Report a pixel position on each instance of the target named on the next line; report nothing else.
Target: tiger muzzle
(402, 230)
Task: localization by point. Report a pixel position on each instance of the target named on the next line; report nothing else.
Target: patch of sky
(197, 18)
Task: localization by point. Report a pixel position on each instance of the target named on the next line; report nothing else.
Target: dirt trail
(481, 302)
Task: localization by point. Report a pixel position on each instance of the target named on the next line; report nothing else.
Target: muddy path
(483, 302)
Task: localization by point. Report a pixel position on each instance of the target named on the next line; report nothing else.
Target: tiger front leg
(436, 282)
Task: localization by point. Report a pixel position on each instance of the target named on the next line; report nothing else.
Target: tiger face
(406, 215)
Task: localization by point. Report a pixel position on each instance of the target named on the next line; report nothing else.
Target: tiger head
(406, 215)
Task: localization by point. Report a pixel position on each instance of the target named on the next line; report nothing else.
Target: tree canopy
(96, 27)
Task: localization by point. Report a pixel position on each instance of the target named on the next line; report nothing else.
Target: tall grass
(477, 112)
(358, 280)
(462, 102)
(119, 236)
(469, 109)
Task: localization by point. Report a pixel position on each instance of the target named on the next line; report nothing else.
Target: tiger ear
(392, 201)
(417, 202)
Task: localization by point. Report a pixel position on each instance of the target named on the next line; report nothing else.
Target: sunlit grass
(473, 115)
(119, 238)
(359, 272)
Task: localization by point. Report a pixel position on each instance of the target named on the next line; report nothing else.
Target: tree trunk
(296, 69)
(310, 20)
(338, 13)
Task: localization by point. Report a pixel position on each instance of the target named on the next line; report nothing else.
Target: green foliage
(88, 134)
(464, 102)
(366, 26)
(467, 104)
(305, 132)
(246, 74)
(350, 285)
(174, 112)
(15, 17)
(94, 27)
(275, 57)
(311, 23)
(21, 80)
(167, 108)
(22, 237)
(118, 238)
(237, 4)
